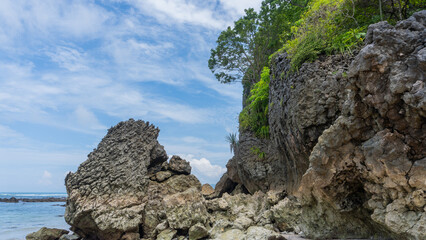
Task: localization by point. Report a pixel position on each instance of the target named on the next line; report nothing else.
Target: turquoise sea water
(19, 219)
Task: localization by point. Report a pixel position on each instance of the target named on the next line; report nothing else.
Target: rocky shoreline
(16, 200)
(346, 159)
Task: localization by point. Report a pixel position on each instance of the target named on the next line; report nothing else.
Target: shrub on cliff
(254, 116)
(330, 26)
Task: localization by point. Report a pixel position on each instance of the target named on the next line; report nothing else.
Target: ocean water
(19, 219)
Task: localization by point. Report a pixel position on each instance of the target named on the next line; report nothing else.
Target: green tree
(233, 57)
(243, 50)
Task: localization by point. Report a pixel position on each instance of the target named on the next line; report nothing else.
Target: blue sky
(69, 70)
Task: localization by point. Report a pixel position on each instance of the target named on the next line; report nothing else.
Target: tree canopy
(243, 50)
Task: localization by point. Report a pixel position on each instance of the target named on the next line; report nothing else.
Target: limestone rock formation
(302, 105)
(105, 194)
(367, 174)
(120, 191)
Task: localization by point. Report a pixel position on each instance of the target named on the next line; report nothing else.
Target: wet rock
(9, 200)
(47, 234)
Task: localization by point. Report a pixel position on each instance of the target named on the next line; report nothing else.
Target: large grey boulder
(127, 190)
(105, 194)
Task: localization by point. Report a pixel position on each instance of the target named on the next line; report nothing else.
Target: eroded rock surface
(119, 192)
(367, 169)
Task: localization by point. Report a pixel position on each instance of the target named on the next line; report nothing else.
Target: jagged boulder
(118, 192)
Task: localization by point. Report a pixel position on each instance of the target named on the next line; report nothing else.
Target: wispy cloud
(22, 19)
(74, 68)
(181, 11)
(71, 59)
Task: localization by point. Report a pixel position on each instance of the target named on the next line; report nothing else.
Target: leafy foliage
(254, 116)
(234, 54)
(329, 26)
(243, 50)
(256, 151)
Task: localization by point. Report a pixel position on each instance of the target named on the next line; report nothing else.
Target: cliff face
(372, 158)
(348, 139)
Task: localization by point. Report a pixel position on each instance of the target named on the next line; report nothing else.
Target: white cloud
(181, 11)
(207, 14)
(34, 97)
(46, 178)
(10, 137)
(87, 119)
(236, 7)
(204, 169)
(69, 58)
(43, 18)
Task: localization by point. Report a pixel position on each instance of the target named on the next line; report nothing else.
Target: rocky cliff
(347, 139)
